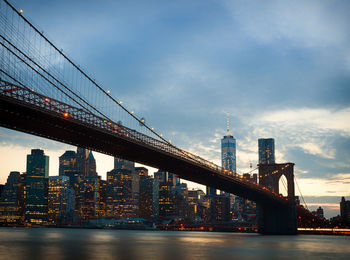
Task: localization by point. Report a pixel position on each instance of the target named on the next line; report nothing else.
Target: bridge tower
(276, 219)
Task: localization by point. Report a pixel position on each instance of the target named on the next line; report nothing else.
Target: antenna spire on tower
(228, 125)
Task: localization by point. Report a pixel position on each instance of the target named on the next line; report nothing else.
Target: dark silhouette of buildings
(345, 210)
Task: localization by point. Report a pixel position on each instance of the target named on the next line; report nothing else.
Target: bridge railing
(60, 109)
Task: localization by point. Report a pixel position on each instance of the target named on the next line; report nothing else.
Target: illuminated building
(88, 197)
(345, 210)
(167, 184)
(36, 187)
(11, 201)
(102, 184)
(68, 167)
(193, 204)
(266, 151)
(60, 199)
(149, 197)
(246, 209)
(228, 152)
(86, 185)
(220, 208)
(122, 194)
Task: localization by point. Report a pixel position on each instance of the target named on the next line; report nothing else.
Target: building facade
(37, 187)
(60, 200)
(11, 201)
(266, 151)
(345, 210)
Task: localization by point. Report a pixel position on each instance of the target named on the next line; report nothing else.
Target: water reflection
(120, 244)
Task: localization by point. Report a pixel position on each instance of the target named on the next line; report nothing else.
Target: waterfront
(51, 243)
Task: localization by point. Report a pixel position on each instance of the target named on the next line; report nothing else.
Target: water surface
(47, 243)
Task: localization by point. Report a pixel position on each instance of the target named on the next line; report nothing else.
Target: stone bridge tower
(276, 219)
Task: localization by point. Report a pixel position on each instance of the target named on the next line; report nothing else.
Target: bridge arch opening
(283, 186)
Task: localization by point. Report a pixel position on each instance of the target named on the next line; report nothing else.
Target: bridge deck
(27, 111)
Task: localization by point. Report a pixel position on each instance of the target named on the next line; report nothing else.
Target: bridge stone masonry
(282, 219)
(38, 96)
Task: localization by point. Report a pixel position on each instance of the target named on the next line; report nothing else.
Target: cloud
(301, 23)
(321, 118)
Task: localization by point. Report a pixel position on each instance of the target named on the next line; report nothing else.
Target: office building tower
(167, 178)
(60, 199)
(122, 194)
(123, 164)
(11, 201)
(85, 162)
(67, 163)
(149, 197)
(181, 201)
(102, 184)
(219, 210)
(266, 151)
(88, 200)
(36, 187)
(345, 210)
(167, 183)
(228, 151)
(193, 204)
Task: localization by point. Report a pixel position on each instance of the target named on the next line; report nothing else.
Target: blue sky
(280, 68)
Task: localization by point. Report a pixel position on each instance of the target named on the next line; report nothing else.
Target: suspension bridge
(44, 93)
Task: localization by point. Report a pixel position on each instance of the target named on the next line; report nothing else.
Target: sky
(281, 69)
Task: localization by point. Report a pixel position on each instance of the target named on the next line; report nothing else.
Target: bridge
(44, 93)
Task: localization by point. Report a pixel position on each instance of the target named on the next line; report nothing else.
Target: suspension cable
(301, 195)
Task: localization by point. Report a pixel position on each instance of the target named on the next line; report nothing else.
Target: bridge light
(47, 100)
(132, 112)
(21, 11)
(107, 91)
(152, 128)
(161, 135)
(65, 114)
(120, 102)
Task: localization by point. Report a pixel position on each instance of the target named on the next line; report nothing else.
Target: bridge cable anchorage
(49, 74)
(301, 195)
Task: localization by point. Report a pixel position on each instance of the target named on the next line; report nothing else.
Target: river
(51, 243)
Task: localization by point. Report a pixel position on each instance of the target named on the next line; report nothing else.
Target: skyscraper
(228, 151)
(11, 208)
(266, 151)
(60, 200)
(36, 187)
(85, 162)
(67, 163)
(149, 199)
(122, 194)
(345, 210)
(228, 155)
(167, 183)
(123, 164)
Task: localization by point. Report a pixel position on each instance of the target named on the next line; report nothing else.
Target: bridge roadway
(27, 111)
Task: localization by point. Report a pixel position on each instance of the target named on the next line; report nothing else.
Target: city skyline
(289, 87)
